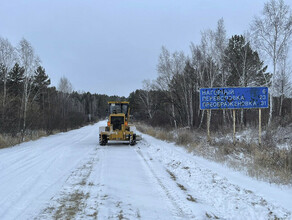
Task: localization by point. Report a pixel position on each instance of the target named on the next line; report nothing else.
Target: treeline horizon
(172, 99)
(28, 101)
(49, 108)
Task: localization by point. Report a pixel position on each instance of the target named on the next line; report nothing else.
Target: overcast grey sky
(110, 46)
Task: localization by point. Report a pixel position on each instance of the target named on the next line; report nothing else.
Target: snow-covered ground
(69, 176)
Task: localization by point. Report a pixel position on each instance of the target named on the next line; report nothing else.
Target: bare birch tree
(199, 68)
(220, 46)
(181, 81)
(272, 31)
(188, 88)
(211, 66)
(146, 99)
(165, 75)
(66, 88)
(29, 61)
(282, 82)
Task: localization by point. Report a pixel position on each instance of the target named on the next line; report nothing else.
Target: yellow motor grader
(118, 128)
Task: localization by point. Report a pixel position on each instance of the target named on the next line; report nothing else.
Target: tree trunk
(187, 111)
(4, 95)
(241, 117)
(24, 117)
(272, 88)
(173, 112)
(185, 93)
(209, 118)
(223, 85)
(281, 104)
(191, 108)
(202, 118)
(208, 125)
(224, 117)
(173, 115)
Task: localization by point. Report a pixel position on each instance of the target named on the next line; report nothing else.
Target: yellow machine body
(118, 128)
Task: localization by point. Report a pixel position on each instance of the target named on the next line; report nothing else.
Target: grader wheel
(132, 140)
(102, 140)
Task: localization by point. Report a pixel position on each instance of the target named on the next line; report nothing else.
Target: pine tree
(15, 80)
(243, 64)
(12, 118)
(41, 80)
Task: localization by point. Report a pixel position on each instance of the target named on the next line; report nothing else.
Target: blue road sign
(234, 98)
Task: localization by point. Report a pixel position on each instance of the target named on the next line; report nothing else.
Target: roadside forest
(258, 57)
(168, 106)
(29, 105)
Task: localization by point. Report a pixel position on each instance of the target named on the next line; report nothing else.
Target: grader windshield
(117, 108)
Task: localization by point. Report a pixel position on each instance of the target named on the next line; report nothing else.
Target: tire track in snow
(25, 159)
(181, 208)
(26, 163)
(111, 205)
(35, 170)
(73, 200)
(24, 187)
(229, 200)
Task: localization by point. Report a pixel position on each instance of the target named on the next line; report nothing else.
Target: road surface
(69, 176)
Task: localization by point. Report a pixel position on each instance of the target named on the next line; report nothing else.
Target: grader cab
(118, 127)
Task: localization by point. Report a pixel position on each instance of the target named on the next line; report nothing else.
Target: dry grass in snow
(270, 162)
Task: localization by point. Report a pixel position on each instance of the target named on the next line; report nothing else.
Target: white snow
(69, 176)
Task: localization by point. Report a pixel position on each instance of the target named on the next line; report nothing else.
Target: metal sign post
(234, 126)
(208, 125)
(234, 98)
(260, 126)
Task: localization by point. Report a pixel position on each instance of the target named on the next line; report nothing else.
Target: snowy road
(69, 176)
